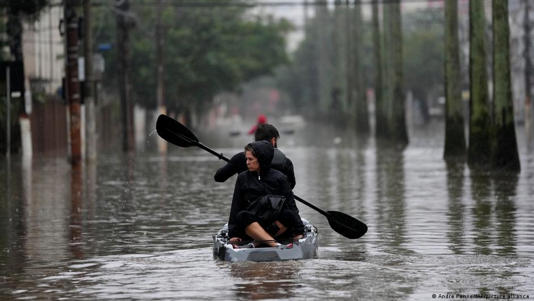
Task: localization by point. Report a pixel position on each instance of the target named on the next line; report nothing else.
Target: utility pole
(72, 83)
(123, 26)
(89, 87)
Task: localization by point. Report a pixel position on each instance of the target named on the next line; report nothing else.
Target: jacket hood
(262, 119)
(264, 152)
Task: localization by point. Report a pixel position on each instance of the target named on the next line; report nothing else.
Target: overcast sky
(293, 12)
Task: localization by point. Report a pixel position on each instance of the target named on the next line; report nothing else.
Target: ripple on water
(144, 231)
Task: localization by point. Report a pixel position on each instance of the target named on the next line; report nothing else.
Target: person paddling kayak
(259, 181)
(237, 163)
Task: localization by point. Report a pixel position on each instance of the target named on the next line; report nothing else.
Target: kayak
(304, 248)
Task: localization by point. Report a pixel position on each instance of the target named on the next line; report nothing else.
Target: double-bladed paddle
(178, 134)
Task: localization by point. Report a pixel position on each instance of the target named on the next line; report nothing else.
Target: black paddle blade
(174, 132)
(346, 225)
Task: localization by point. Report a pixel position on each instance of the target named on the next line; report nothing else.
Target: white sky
(293, 13)
(296, 10)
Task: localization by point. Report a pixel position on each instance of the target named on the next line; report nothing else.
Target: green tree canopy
(206, 50)
(424, 53)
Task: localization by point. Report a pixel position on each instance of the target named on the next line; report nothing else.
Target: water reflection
(141, 227)
(91, 189)
(12, 228)
(271, 280)
(480, 193)
(75, 227)
(390, 203)
(498, 209)
(505, 192)
(49, 211)
(456, 209)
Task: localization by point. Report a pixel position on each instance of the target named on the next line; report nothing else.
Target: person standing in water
(261, 120)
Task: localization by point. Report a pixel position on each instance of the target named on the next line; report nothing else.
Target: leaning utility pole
(89, 87)
(123, 26)
(72, 84)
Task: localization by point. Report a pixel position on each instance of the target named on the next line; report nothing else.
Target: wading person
(280, 162)
(261, 120)
(258, 183)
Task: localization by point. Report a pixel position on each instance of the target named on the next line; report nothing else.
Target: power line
(249, 4)
(211, 3)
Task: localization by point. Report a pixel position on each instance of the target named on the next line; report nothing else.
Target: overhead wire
(251, 4)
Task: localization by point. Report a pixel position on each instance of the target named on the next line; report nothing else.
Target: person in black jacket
(259, 180)
(280, 162)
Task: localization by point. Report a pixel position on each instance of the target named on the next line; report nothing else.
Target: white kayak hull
(305, 248)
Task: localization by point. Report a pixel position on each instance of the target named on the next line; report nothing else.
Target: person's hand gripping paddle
(178, 134)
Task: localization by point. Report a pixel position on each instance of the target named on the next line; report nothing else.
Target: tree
(478, 154)
(325, 66)
(454, 119)
(299, 78)
(397, 112)
(16, 10)
(504, 153)
(423, 36)
(340, 85)
(360, 99)
(380, 114)
(529, 112)
(206, 51)
(387, 42)
(123, 49)
(218, 51)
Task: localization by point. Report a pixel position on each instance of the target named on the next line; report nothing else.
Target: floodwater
(139, 227)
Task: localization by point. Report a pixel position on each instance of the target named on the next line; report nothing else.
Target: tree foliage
(15, 11)
(423, 52)
(422, 60)
(206, 51)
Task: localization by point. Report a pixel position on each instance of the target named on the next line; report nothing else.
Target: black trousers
(288, 218)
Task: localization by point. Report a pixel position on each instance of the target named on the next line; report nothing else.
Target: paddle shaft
(222, 157)
(336, 225)
(311, 205)
(209, 150)
(176, 133)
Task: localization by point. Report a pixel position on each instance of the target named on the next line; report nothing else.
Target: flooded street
(140, 227)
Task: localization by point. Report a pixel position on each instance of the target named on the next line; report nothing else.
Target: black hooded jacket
(238, 164)
(251, 185)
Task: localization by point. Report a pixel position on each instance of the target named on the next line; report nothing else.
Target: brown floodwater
(139, 227)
